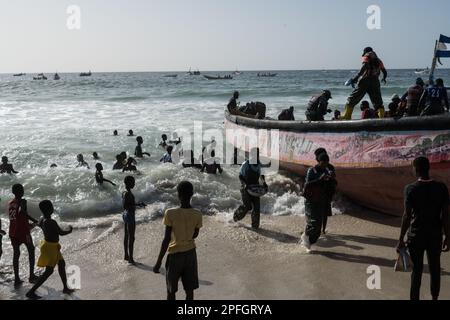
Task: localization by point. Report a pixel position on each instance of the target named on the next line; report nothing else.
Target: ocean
(46, 122)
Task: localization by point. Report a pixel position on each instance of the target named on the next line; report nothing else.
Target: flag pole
(433, 64)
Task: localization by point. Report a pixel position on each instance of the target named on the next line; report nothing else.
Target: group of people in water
(419, 100)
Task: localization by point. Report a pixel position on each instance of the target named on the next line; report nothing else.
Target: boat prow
(372, 157)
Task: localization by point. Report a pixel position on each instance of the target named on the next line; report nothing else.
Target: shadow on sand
(162, 272)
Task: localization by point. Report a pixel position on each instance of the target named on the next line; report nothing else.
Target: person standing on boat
(250, 175)
(317, 200)
(425, 221)
(318, 106)
(287, 115)
(412, 98)
(368, 80)
(433, 99)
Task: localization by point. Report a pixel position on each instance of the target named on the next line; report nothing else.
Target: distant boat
(40, 76)
(170, 76)
(228, 77)
(237, 73)
(19, 74)
(84, 74)
(422, 71)
(267, 75)
(195, 73)
(56, 76)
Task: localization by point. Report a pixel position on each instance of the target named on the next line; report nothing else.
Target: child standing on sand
(129, 218)
(19, 232)
(182, 228)
(50, 250)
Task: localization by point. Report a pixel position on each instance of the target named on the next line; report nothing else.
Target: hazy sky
(159, 35)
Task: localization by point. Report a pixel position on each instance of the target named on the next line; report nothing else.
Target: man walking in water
(368, 80)
(426, 219)
(250, 175)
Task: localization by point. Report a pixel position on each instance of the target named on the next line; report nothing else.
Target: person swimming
(138, 151)
(6, 167)
(119, 163)
(131, 165)
(53, 165)
(99, 175)
(81, 162)
(130, 133)
(167, 158)
(95, 156)
(211, 165)
(163, 144)
(115, 133)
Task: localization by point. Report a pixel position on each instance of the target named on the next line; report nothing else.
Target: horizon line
(204, 71)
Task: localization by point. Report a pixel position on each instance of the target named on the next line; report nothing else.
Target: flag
(443, 50)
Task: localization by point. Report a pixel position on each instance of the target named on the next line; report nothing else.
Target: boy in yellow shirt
(182, 228)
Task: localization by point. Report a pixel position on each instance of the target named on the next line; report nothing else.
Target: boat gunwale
(406, 124)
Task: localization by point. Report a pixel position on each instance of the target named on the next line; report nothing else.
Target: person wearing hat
(287, 115)
(318, 106)
(368, 82)
(6, 167)
(394, 107)
(412, 98)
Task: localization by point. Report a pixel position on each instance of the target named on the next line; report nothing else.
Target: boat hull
(373, 166)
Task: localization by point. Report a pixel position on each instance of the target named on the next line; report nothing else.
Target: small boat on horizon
(170, 76)
(86, 74)
(422, 71)
(227, 77)
(195, 73)
(237, 73)
(40, 76)
(19, 74)
(56, 76)
(267, 75)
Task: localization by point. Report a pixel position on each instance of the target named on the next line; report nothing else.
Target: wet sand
(237, 263)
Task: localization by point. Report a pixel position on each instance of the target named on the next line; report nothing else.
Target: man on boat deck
(318, 106)
(366, 111)
(287, 115)
(412, 98)
(433, 99)
(426, 221)
(368, 83)
(233, 108)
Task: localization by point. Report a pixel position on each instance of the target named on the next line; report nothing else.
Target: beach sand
(237, 263)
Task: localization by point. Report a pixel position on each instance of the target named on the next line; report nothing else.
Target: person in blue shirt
(433, 99)
(250, 175)
(167, 158)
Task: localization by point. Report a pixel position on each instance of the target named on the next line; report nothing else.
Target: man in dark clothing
(249, 175)
(426, 218)
(366, 111)
(317, 199)
(433, 99)
(233, 104)
(318, 107)
(412, 98)
(287, 115)
(368, 83)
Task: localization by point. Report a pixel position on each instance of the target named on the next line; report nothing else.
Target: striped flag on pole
(443, 50)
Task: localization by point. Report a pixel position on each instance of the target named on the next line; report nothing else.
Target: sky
(165, 35)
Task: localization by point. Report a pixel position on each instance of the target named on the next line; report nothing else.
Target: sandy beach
(237, 263)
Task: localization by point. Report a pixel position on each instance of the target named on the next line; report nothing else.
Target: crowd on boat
(420, 99)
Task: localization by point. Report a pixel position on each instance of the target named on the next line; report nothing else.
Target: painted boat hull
(372, 157)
